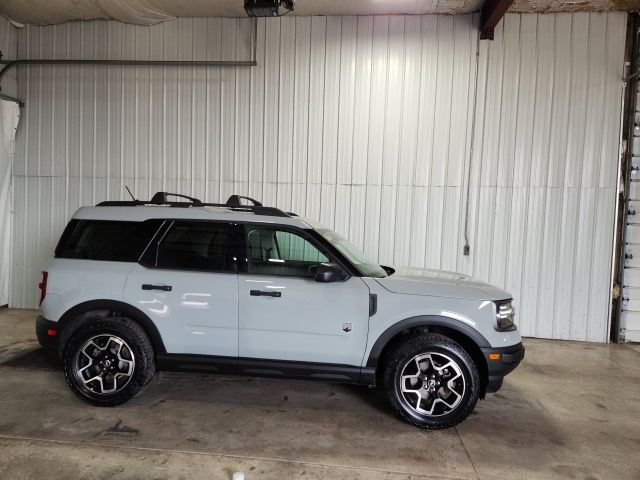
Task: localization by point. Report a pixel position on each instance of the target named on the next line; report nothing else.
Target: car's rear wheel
(431, 381)
(109, 361)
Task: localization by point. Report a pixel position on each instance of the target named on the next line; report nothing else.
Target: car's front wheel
(109, 361)
(431, 381)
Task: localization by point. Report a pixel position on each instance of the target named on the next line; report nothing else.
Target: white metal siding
(363, 123)
(545, 178)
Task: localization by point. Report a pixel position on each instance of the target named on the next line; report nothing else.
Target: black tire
(411, 350)
(137, 347)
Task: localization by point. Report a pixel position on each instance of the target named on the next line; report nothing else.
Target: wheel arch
(86, 312)
(467, 337)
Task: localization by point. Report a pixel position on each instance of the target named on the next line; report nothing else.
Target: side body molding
(422, 321)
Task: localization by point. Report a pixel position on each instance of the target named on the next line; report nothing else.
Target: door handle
(261, 293)
(164, 288)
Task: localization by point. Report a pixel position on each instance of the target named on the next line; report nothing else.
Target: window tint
(279, 252)
(194, 246)
(106, 240)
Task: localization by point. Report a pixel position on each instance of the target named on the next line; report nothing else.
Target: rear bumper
(509, 359)
(48, 333)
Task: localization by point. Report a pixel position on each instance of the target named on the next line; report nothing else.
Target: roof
(146, 212)
(147, 12)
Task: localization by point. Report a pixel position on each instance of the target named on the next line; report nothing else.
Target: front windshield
(360, 261)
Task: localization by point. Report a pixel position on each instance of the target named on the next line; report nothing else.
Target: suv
(137, 287)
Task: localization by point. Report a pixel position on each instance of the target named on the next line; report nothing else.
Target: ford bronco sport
(136, 287)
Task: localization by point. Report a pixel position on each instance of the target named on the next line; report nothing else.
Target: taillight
(43, 286)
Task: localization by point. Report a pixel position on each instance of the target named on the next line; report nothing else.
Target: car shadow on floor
(513, 409)
(375, 397)
(33, 359)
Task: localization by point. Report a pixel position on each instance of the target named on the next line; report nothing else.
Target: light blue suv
(183, 285)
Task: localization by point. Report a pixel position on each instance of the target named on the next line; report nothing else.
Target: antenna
(132, 197)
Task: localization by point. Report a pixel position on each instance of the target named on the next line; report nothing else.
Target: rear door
(187, 284)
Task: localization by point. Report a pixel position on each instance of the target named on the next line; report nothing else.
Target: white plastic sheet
(9, 116)
(148, 12)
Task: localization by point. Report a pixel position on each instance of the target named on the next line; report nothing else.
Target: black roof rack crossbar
(160, 198)
(233, 203)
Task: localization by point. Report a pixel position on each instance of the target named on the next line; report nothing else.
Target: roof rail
(233, 203)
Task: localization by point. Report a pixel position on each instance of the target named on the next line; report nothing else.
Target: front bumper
(48, 333)
(500, 362)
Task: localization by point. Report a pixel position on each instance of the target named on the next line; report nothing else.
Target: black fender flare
(73, 318)
(422, 321)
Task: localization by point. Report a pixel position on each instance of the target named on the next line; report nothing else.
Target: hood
(438, 283)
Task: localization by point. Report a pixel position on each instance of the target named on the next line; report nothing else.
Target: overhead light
(267, 8)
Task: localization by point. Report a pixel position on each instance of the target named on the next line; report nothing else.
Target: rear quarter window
(107, 240)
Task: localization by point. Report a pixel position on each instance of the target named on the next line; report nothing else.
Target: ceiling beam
(492, 13)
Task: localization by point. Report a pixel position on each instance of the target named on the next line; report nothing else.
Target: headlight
(505, 312)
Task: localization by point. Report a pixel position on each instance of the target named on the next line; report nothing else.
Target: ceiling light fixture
(267, 8)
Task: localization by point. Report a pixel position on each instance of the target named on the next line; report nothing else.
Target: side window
(194, 246)
(294, 248)
(280, 252)
(107, 240)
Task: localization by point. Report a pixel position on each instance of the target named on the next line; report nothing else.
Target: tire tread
(145, 363)
(410, 346)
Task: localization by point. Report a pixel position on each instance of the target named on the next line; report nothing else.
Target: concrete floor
(571, 410)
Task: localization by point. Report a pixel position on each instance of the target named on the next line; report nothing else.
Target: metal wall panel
(363, 123)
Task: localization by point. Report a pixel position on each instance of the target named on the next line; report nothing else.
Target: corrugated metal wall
(363, 123)
(546, 167)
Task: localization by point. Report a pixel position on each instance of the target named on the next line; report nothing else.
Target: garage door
(630, 320)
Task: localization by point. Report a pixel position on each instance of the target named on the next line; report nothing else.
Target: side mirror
(328, 272)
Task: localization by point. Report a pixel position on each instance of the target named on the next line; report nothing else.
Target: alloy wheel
(104, 364)
(432, 384)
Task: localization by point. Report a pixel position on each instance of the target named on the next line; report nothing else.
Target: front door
(284, 314)
(188, 287)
